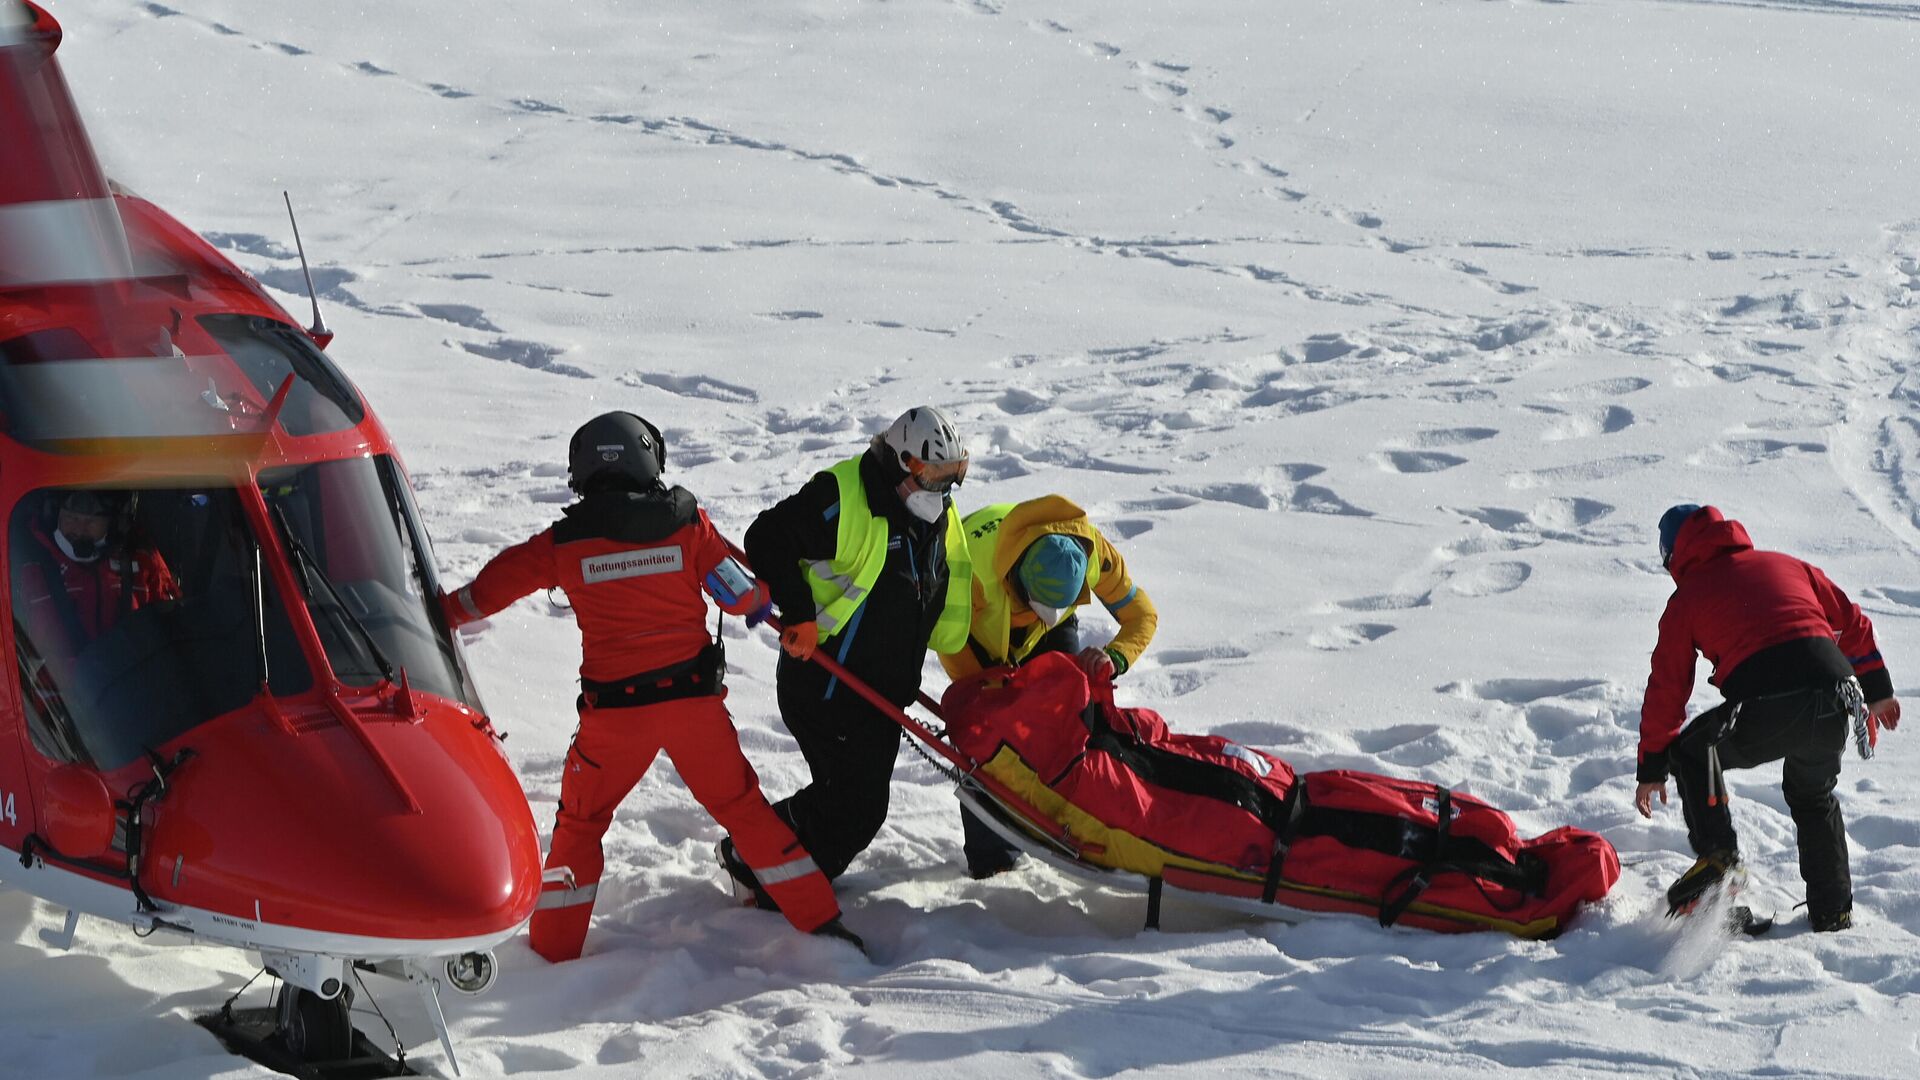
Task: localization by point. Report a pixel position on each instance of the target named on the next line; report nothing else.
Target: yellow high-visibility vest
(841, 584)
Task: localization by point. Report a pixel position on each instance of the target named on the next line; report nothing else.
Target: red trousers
(610, 753)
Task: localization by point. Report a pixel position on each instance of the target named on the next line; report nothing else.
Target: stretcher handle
(1006, 795)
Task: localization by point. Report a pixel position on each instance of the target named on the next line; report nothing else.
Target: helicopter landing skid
(264, 1035)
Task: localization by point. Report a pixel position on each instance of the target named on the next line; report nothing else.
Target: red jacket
(95, 592)
(1731, 601)
(634, 567)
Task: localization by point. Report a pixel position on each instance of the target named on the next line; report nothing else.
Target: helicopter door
(137, 615)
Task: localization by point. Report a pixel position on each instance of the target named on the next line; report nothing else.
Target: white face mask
(925, 505)
(85, 552)
(1051, 616)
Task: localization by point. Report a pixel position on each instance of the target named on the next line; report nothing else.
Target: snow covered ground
(1377, 333)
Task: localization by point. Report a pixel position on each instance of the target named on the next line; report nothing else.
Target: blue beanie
(1053, 570)
(1670, 523)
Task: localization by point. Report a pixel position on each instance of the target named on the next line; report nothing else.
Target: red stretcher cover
(1207, 815)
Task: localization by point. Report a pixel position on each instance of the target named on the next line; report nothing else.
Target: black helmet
(618, 443)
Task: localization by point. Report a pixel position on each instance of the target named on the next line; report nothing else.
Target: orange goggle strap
(937, 477)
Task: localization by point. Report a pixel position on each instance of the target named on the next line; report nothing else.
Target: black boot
(987, 854)
(745, 884)
(834, 928)
(1829, 922)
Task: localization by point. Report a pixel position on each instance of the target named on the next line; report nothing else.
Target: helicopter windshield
(54, 387)
(138, 614)
(357, 549)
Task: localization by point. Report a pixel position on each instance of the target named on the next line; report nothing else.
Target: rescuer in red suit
(98, 580)
(634, 557)
(1797, 663)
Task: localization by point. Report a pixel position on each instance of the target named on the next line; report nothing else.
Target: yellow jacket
(1005, 630)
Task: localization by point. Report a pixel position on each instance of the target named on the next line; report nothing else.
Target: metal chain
(947, 771)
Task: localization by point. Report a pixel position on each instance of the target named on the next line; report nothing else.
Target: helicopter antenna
(319, 328)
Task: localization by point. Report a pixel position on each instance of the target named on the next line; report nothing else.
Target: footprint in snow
(1492, 579)
(1334, 639)
(1596, 772)
(1380, 740)
(1253, 496)
(465, 315)
(1519, 691)
(1601, 469)
(1585, 423)
(1876, 831)
(1903, 597)
(1177, 682)
(696, 386)
(1413, 746)
(1735, 453)
(1438, 437)
(1022, 402)
(1600, 389)
(1387, 602)
(526, 354)
(1159, 503)
(1417, 461)
(1568, 513)
(1176, 657)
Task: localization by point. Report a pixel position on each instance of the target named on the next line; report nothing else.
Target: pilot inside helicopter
(84, 570)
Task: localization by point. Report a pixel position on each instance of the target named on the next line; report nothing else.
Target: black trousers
(984, 849)
(1808, 730)
(850, 747)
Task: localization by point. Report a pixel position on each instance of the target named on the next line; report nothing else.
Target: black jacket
(886, 642)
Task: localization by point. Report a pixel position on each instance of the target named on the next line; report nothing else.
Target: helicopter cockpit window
(267, 352)
(44, 346)
(214, 376)
(360, 555)
(139, 614)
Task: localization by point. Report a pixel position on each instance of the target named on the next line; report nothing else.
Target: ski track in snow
(1392, 488)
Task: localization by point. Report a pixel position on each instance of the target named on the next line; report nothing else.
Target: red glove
(1884, 713)
(451, 609)
(800, 640)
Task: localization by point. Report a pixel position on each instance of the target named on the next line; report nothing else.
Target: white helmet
(926, 436)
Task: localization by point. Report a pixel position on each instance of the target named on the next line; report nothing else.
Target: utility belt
(1839, 696)
(1841, 699)
(703, 676)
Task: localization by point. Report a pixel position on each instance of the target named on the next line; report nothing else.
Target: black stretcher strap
(1178, 772)
(1295, 811)
(1414, 879)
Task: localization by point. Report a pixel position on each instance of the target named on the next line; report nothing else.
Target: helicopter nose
(422, 836)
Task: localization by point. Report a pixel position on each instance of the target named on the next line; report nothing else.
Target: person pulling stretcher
(634, 557)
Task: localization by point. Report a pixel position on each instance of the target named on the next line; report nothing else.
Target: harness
(702, 676)
(1848, 700)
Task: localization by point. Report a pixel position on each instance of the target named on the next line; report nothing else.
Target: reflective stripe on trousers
(560, 898)
(786, 871)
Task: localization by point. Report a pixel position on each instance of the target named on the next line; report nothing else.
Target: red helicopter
(235, 712)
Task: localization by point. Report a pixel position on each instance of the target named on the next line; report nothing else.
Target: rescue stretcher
(1404, 852)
